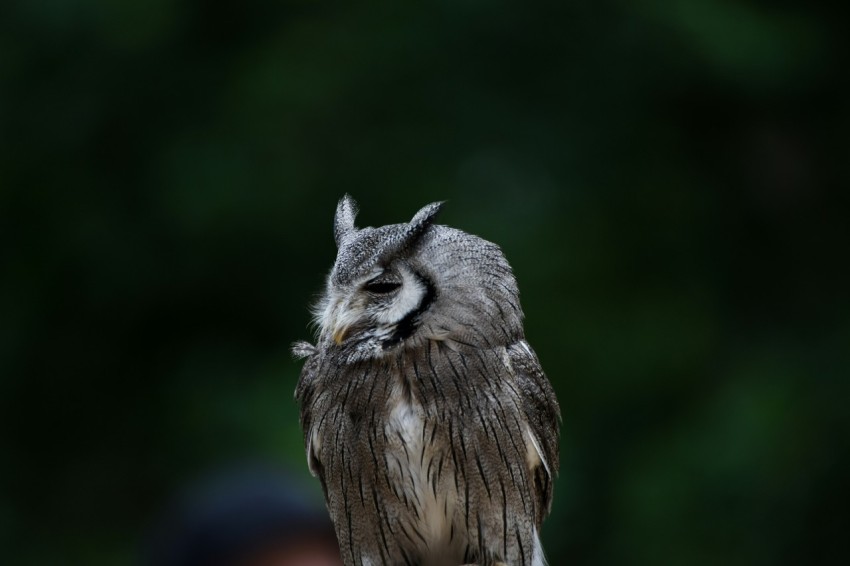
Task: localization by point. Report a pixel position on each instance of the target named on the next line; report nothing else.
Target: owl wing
(543, 416)
(305, 392)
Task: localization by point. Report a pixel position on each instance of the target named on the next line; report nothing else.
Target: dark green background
(668, 179)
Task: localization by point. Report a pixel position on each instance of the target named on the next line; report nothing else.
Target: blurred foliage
(669, 180)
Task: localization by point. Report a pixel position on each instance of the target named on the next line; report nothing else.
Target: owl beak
(340, 334)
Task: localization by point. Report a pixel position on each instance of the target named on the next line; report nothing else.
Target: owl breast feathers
(426, 414)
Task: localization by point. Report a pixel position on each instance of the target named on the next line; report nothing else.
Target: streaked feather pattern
(435, 435)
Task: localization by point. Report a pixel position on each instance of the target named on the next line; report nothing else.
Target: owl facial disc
(398, 286)
(378, 312)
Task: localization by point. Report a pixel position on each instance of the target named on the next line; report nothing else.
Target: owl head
(399, 285)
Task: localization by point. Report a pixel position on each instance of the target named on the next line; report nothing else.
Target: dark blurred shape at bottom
(250, 515)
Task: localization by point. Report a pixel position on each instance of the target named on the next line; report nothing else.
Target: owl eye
(382, 287)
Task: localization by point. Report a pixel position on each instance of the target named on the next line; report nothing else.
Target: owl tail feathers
(302, 349)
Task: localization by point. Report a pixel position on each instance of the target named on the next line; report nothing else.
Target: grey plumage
(426, 414)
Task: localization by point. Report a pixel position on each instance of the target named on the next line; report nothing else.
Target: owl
(426, 414)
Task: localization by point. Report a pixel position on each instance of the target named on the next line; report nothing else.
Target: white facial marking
(337, 312)
(408, 299)
(341, 309)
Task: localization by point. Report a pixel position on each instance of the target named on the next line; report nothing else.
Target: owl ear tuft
(424, 218)
(417, 226)
(412, 231)
(346, 211)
